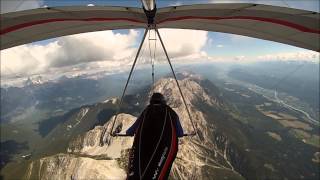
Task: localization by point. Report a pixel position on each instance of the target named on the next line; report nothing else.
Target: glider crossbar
(175, 77)
(129, 77)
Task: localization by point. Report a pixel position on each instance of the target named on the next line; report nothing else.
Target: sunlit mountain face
(255, 120)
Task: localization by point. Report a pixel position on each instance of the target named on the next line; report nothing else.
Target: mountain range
(242, 135)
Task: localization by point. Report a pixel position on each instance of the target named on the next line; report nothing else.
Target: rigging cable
(174, 75)
(125, 87)
(152, 57)
(276, 85)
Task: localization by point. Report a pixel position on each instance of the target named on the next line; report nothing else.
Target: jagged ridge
(198, 158)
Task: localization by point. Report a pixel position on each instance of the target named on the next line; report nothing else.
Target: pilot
(155, 143)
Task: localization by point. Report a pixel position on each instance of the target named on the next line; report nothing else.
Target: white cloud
(19, 5)
(177, 3)
(239, 58)
(68, 51)
(111, 51)
(304, 55)
(95, 46)
(239, 38)
(98, 49)
(181, 43)
(90, 5)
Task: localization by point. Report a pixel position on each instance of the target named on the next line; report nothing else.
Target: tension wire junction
(195, 132)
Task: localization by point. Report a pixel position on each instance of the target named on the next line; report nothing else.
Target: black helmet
(157, 98)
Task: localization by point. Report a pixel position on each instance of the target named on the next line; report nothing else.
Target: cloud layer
(89, 47)
(305, 55)
(97, 49)
(68, 51)
(115, 50)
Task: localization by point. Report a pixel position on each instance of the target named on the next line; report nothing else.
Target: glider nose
(148, 5)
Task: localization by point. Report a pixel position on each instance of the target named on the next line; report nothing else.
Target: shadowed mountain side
(10, 148)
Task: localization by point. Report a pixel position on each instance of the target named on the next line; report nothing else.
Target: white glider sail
(280, 24)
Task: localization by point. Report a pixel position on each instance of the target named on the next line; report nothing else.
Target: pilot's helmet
(157, 98)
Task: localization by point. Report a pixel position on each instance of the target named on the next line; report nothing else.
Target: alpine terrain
(228, 145)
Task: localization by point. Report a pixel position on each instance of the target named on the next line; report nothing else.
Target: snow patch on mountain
(111, 100)
(83, 112)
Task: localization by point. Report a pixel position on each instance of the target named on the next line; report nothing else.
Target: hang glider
(280, 24)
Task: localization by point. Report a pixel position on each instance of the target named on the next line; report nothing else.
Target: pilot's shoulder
(172, 111)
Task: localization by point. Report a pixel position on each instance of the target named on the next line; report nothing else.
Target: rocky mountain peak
(98, 141)
(208, 152)
(192, 89)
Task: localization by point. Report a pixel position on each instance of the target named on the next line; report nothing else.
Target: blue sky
(223, 43)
